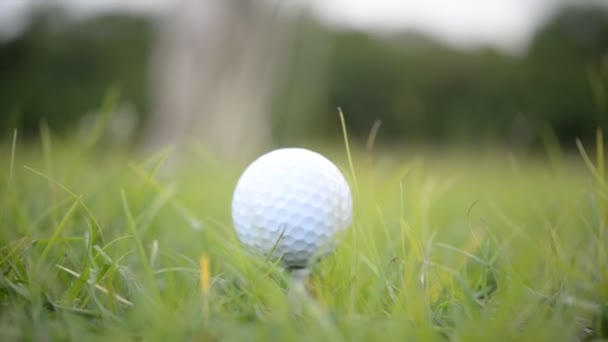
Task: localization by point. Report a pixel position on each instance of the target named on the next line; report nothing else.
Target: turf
(97, 244)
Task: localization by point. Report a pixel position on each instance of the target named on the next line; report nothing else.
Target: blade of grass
(97, 286)
(76, 311)
(84, 206)
(588, 161)
(185, 213)
(205, 281)
(600, 157)
(139, 245)
(103, 117)
(9, 182)
(160, 158)
(47, 153)
(53, 240)
(348, 154)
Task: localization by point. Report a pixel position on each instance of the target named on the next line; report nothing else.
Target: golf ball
(291, 203)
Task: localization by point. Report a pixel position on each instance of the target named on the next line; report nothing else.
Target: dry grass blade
(97, 286)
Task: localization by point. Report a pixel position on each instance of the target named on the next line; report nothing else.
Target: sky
(505, 24)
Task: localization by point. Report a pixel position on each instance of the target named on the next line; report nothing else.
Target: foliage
(59, 69)
(421, 89)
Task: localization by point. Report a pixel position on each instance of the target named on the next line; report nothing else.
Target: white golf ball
(291, 202)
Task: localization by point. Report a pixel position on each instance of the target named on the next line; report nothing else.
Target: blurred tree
(60, 69)
(566, 59)
(221, 87)
(418, 87)
(422, 89)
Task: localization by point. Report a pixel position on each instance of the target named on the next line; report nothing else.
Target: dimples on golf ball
(296, 197)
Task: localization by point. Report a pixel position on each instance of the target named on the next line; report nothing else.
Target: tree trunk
(213, 72)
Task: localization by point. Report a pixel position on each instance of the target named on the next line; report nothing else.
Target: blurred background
(242, 76)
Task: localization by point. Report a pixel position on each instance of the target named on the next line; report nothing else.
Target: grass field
(99, 245)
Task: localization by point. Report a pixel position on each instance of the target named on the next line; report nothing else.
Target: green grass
(99, 245)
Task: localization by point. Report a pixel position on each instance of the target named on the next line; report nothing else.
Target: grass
(98, 245)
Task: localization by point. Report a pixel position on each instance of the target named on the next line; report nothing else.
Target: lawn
(101, 244)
